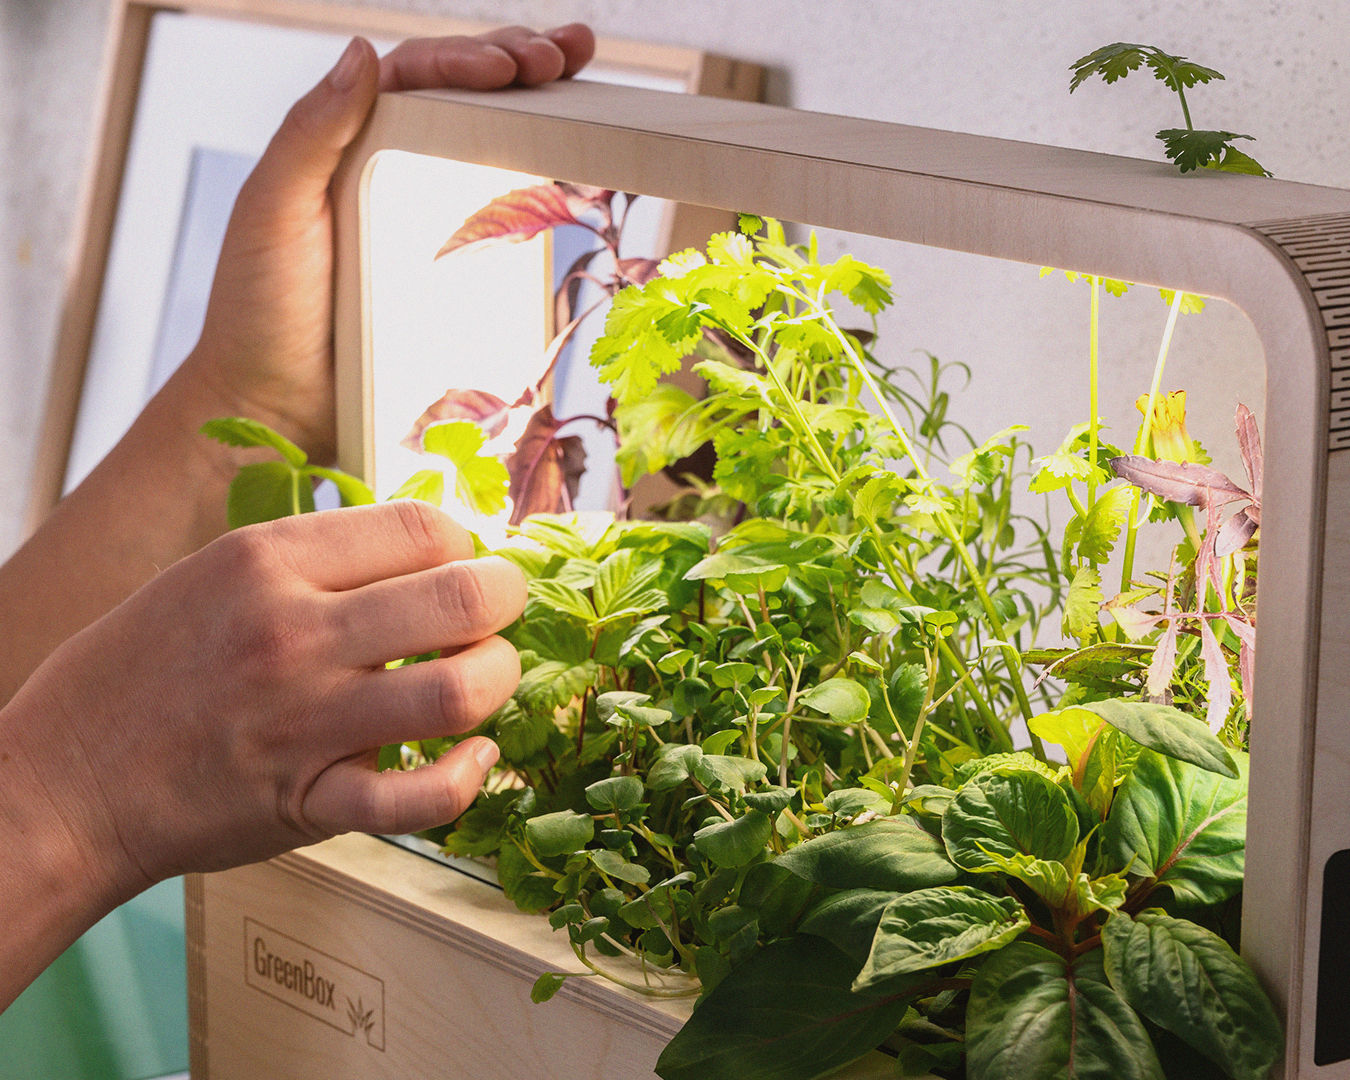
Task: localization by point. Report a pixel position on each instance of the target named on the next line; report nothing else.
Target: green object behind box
(113, 1006)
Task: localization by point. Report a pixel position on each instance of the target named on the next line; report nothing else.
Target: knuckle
(426, 528)
(460, 595)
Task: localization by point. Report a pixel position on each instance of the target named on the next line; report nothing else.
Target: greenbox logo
(317, 984)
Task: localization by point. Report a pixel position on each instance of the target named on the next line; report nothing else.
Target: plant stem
(1094, 358)
(1142, 438)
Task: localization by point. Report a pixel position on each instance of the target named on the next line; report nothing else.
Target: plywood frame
(125, 53)
(1278, 251)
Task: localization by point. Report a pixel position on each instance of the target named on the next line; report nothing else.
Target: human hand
(265, 350)
(233, 708)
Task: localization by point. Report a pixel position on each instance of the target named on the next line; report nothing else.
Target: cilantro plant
(1187, 147)
(779, 749)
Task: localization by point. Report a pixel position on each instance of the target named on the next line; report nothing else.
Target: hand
(233, 708)
(265, 350)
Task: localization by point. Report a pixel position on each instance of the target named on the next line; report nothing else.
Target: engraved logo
(319, 985)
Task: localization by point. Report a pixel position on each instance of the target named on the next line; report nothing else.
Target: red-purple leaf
(545, 469)
(1236, 531)
(1216, 674)
(518, 215)
(486, 410)
(1164, 658)
(1178, 481)
(583, 197)
(638, 271)
(1249, 440)
(565, 300)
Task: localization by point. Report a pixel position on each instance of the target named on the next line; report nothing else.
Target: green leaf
(1083, 603)
(786, 1013)
(736, 843)
(1181, 825)
(615, 794)
(564, 598)
(674, 765)
(352, 490)
(267, 491)
(1196, 149)
(616, 866)
(931, 927)
(1009, 813)
(1234, 160)
(523, 885)
(1167, 730)
(1188, 980)
(842, 700)
(886, 853)
(1033, 1017)
(728, 772)
(427, 485)
(481, 482)
(239, 431)
(624, 585)
(559, 833)
(1101, 528)
(848, 919)
(520, 734)
(548, 984)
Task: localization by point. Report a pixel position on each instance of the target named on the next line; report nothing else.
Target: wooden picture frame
(1279, 251)
(129, 43)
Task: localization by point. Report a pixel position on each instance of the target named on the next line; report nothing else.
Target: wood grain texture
(454, 962)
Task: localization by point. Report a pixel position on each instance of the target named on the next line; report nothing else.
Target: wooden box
(1278, 251)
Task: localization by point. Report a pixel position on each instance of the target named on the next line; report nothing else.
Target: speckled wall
(996, 67)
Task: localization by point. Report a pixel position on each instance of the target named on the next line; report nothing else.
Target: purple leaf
(638, 271)
(1236, 531)
(1216, 674)
(1177, 481)
(1249, 441)
(516, 216)
(1164, 658)
(545, 469)
(486, 410)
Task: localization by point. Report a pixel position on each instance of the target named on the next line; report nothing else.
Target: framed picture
(193, 90)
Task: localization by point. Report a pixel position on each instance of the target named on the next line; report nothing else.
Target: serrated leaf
(1196, 149)
(1101, 528)
(1034, 1017)
(563, 598)
(427, 485)
(1083, 602)
(1188, 980)
(931, 927)
(513, 217)
(240, 431)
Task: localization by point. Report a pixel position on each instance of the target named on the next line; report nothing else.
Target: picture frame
(128, 312)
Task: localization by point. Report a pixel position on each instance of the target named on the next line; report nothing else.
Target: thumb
(300, 160)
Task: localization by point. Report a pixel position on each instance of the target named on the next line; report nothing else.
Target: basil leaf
(786, 1013)
(1034, 1017)
(930, 927)
(1011, 813)
(1168, 731)
(888, 853)
(1188, 980)
(1182, 825)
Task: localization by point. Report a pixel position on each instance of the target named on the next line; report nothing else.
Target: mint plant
(1187, 147)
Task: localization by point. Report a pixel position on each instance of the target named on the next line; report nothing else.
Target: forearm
(159, 495)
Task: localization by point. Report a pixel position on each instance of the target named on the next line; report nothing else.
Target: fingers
(577, 43)
(446, 607)
(302, 155)
(350, 796)
(513, 55)
(344, 549)
(424, 701)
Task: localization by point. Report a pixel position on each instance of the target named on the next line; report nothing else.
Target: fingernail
(485, 752)
(344, 73)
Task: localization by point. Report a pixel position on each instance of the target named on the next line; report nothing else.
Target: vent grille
(1320, 247)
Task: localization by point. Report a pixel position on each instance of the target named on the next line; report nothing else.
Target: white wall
(996, 67)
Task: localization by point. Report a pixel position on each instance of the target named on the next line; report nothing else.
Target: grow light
(1278, 251)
